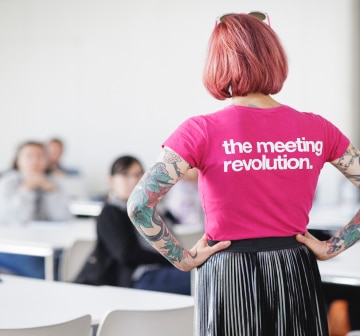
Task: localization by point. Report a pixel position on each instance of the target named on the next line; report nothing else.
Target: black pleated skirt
(260, 287)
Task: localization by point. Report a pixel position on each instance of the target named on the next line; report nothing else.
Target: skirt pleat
(260, 293)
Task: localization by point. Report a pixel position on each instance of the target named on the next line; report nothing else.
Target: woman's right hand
(37, 181)
(200, 252)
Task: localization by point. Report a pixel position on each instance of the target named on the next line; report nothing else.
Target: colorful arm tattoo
(142, 204)
(350, 159)
(346, 237)
(173, 158)
(349, 165)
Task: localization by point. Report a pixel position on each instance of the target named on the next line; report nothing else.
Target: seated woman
(121, 257)
(28, 194)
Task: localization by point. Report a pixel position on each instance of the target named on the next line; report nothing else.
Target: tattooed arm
(349, 165)
(156, 182)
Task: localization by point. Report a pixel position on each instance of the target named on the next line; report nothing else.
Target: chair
(174, 322)
(77, 327)
(73, 258)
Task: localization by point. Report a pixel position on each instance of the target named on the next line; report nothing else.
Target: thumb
(300, 238)
(220, 246)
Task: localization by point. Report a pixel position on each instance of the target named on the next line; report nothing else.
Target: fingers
(203, 244)
(220, 246)
(315, 245)
(300, 238)
(202, 251)
(307, 238)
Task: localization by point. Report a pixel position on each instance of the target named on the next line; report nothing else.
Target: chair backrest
(77, 327)
(174, 322)
(73, 258)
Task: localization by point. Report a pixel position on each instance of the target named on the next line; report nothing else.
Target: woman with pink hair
(259, 163)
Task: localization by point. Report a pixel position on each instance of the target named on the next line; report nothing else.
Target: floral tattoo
(149, 192)
(350, 158)
(346, 237)
(173, 158)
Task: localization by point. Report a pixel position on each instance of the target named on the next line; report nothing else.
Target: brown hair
(23, 145)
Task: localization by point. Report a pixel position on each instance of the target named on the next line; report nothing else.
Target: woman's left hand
(318, 247)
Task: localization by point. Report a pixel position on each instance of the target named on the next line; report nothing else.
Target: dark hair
(23, 145)
(122, 164)
(57, 141)
(244, 56)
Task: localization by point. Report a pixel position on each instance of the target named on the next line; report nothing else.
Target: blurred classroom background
(110, 78)
(93, 73)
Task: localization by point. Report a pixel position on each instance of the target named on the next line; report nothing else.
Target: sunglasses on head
(260, 15)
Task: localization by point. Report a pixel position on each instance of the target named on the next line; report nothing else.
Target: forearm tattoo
(346, 237)
(350, 234)
(172, 158)
(350, 158)
(143, 201)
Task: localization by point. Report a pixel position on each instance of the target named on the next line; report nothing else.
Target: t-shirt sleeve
(338, 142)
(189, 140)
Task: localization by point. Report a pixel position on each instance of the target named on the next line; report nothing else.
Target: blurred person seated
(70, 179)
(55, 151)
(27, 194)
(122, 257)
(182, 204)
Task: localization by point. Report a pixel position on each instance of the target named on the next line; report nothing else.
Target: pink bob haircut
(244, 56)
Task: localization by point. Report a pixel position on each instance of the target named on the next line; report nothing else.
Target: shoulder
(69, 171)
(198, 126)
(302, 114)
(209, 117)
(12, 173)
(306, 118)
(11, 176)
(318, 121)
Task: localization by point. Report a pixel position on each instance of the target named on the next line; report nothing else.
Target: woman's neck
(255, 100)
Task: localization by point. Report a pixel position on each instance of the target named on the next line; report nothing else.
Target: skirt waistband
(260, 244)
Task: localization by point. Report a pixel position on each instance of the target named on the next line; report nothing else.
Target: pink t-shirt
(258, 167)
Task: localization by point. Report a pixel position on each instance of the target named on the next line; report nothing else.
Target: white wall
(116, 76)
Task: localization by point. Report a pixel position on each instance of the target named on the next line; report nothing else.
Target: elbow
(135, 210)
(139, 210)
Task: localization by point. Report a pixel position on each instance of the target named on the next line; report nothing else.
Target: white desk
(86, 208)
(26, 302)
(43, 239)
